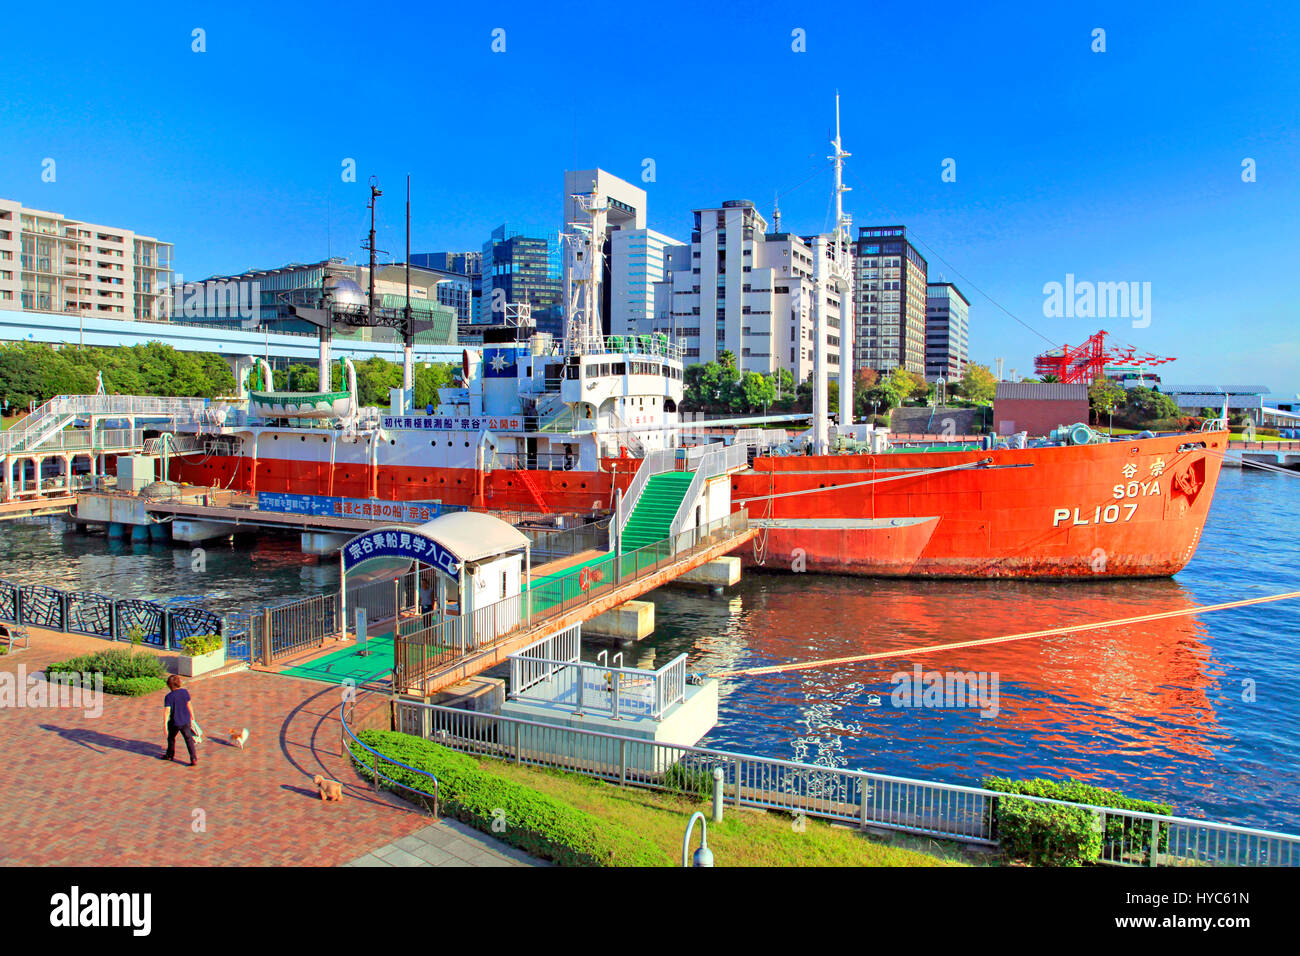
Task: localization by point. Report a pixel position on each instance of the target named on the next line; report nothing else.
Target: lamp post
(702, 856)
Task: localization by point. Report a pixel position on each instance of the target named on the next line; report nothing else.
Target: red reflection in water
(1147, 685)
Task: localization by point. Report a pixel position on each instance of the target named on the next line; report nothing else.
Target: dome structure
(344, 291)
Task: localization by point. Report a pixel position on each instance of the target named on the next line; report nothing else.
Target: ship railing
(860, 798)
(541, 461)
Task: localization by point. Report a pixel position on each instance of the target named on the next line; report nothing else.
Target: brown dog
(329, 789)
(239, 737)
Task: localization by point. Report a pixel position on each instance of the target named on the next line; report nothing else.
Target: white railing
(714, 460)
(946, 811)
(595, 688)
(38, 427)
(535, 663)
(656, 463)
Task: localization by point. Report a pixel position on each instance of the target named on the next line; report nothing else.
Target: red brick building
(1038, 407)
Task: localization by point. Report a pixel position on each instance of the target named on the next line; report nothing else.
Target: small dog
(239, 737)
(329, 789)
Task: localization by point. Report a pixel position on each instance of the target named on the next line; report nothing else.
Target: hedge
(1070, 836)
(534, 822)
(124, 673)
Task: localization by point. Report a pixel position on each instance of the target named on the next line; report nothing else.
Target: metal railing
(656, 463)
(425, 645)
(715, 461)
(945, 811)
(596, 688)
(548, 543)
(535, 662)
(373, 758)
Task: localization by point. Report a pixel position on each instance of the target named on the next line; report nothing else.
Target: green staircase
(655, 509)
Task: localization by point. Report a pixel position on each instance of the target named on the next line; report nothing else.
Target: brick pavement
(81, 790)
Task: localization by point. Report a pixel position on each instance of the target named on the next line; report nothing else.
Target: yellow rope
(931, 648)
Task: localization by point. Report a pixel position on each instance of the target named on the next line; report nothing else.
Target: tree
(1105, 395)
(754, 393)
(1050, 378)
(978, 384)
(1146, 405)
(428, 379)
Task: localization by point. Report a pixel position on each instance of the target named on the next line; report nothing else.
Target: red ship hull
(1131, 508)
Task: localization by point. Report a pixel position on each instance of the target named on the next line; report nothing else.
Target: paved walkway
(445, 843)
(84, 790)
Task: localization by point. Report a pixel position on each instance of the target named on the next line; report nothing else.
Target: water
(1161, 710)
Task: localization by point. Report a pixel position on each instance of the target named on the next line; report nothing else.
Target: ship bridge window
(604, 368)
(620, 368)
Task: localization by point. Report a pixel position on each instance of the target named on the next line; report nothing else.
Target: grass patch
(745, 837)
(658, 819)
(123, 673)
(510, 810)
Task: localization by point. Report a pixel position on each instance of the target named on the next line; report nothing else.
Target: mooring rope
(912, 473)
(932, 648)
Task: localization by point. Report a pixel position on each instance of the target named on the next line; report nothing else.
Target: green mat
(347, 663)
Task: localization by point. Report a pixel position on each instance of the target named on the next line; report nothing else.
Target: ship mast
(833, 270)
(842, 277)
(582, 274)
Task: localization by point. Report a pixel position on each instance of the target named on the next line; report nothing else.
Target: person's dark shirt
(178, 700)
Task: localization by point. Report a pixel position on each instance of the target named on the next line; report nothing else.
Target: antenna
(842, 276)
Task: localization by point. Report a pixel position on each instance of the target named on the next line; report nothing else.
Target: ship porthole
(564, 484)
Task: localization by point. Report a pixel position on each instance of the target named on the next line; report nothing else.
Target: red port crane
(1085, 363)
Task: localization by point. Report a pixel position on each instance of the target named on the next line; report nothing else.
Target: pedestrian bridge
(57, 328)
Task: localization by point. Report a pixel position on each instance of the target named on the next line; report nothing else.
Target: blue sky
(1115, 166)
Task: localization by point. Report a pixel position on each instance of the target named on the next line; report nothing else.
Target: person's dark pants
(186, 731)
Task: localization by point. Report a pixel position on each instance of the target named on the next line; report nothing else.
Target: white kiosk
(469, 565)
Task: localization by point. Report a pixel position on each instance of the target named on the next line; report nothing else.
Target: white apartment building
(50, 263)
(639, 260)
(749, 293)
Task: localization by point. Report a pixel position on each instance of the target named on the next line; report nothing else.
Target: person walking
(178, 715)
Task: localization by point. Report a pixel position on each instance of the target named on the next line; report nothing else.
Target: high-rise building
(50, 263)
(947, 328)
(517, 270)
(890, 304)
(747, 292)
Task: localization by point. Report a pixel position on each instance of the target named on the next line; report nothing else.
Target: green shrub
(534, 822)
(199, 644)
(134, 686)
(124, 673)
(1047, 834)
(1019, 821)
(113, 663)
(123, 686)
(692, 781)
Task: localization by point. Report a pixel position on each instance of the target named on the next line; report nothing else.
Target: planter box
(195, 666)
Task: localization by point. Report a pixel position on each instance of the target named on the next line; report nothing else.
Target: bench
(12, 635)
